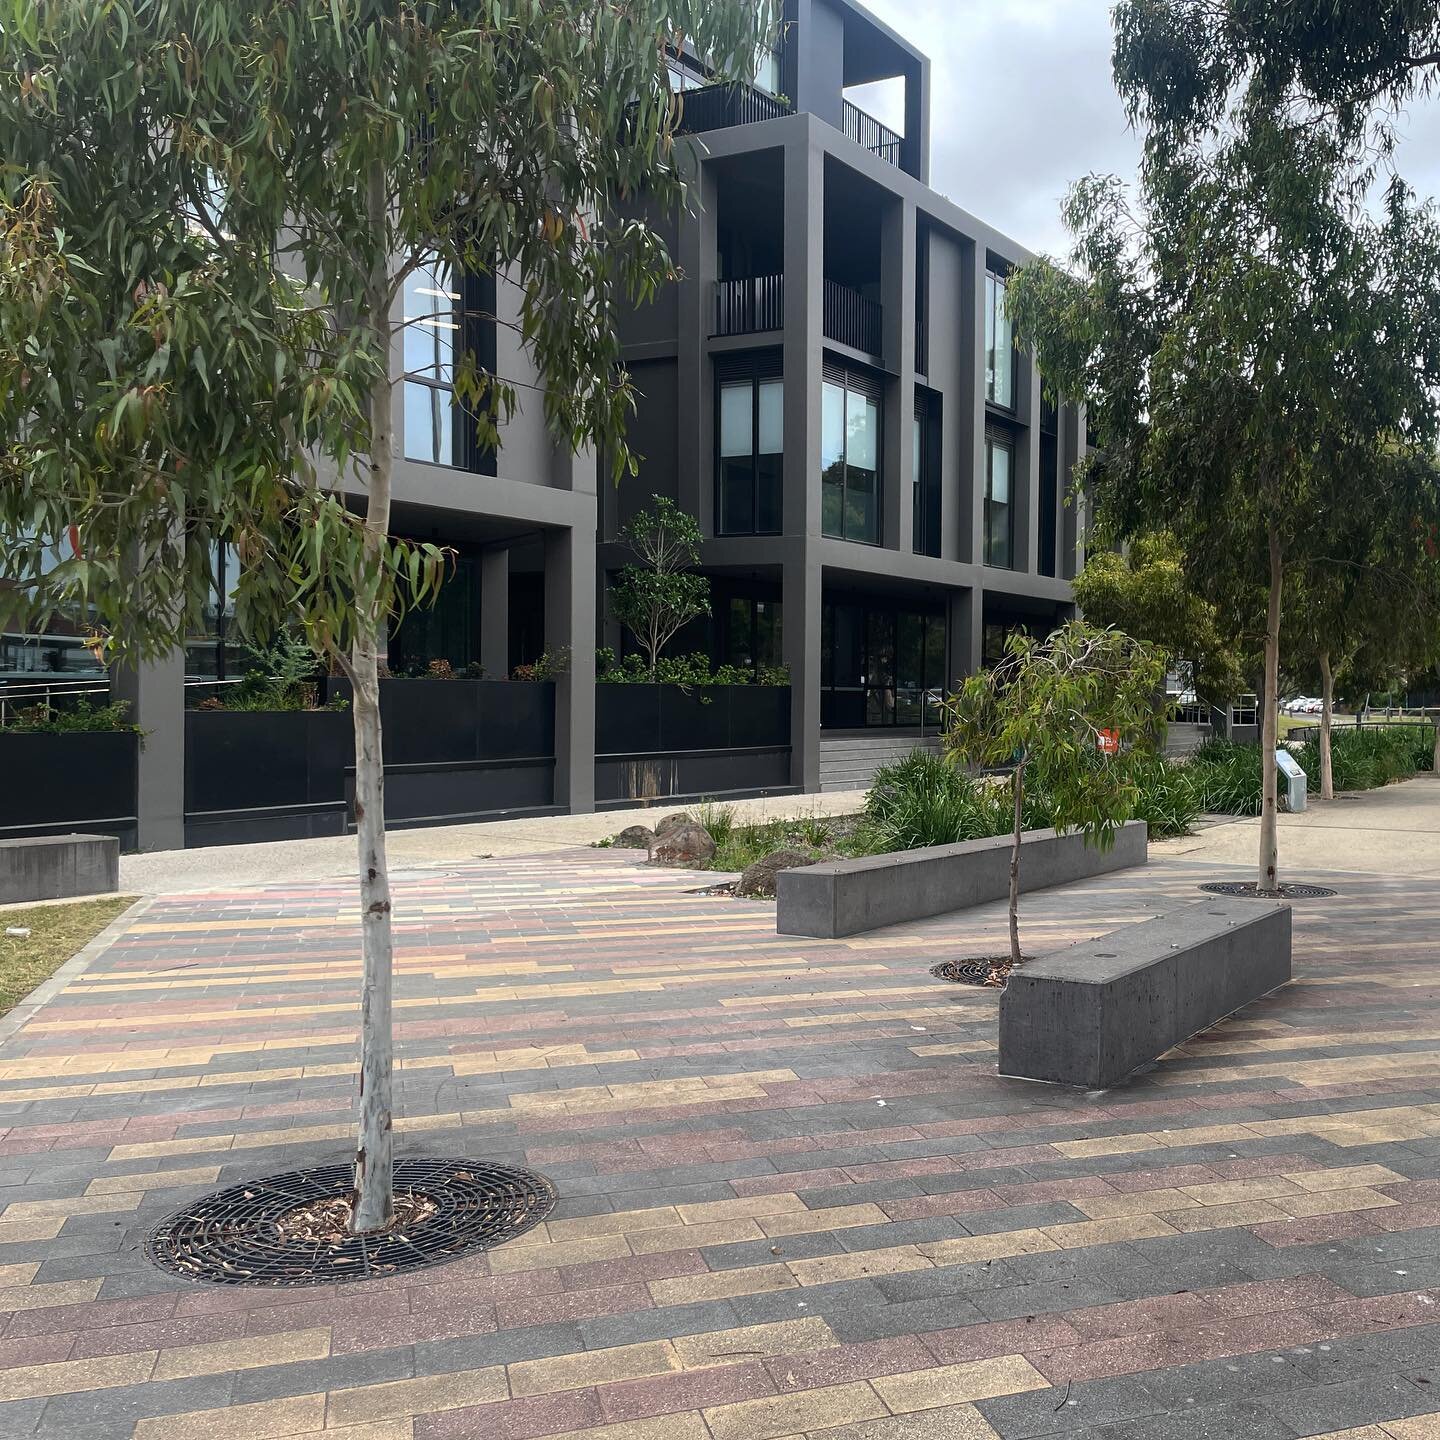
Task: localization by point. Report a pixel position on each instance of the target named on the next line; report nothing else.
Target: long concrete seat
(56, 867)
(848, 897)
(1094, 1014)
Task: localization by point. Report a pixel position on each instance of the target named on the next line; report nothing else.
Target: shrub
(1227, 777)
(693, 669)
(925, 799)
(1366, 758)
(1169, 799)
(717, 820)
(70, 719)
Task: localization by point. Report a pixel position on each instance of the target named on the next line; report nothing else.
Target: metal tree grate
(969, 972)
(234, 1236)
(1285, 892)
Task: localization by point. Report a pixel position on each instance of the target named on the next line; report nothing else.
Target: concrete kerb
(1094, 1014)
(848, 897)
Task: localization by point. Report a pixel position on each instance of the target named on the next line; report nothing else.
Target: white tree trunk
(374, 1161)
(1327, 706)
(1017, 785)
(1269, 876)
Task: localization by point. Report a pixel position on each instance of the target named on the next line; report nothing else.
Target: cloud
(1022, 105)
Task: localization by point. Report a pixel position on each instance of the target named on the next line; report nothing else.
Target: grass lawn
(56, 933)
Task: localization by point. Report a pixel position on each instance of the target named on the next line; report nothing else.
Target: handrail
(749, 305)
(866, 130)
(851, 319)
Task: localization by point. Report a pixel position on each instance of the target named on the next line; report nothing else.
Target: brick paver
(794, 1197)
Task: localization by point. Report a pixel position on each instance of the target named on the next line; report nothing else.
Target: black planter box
(85, 780)
(259, 775)
(655, 742)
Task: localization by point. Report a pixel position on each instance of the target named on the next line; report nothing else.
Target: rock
(685, 846)
(635, 837)
(681, 817)
(759, 878)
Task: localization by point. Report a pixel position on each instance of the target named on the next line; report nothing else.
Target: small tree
(655, 598)
(1082, 710)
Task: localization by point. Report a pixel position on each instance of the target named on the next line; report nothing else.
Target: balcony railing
(866, 130)
(749, 305)
(922, 346)
(851, 319)
(718, 107)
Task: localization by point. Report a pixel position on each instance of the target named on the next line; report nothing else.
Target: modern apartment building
(830, 388)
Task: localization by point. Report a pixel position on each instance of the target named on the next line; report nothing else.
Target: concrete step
(849, 762)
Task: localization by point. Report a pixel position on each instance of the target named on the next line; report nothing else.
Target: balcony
(878, 139)
(750, 305)
(718, 107)
(851, 319)
(922, 346)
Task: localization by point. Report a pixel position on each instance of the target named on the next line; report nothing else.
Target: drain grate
(972, 972)
(246, 1235)
(1285, 892)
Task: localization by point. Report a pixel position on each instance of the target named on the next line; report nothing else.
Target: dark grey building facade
(831, 389)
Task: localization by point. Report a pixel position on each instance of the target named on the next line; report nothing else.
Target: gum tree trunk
(1017, 786)
(1269, 870)
(1327, 703)
(374, 1161)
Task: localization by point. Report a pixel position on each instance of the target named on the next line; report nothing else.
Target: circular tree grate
(1285, 892)
(979, 971)
(280, 1230)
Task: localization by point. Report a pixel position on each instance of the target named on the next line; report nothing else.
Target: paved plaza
(795, 1199)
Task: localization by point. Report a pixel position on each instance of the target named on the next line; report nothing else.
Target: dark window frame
(994, 441)
(854, 382)
(753, 371)
(996, 284)
(475, 331)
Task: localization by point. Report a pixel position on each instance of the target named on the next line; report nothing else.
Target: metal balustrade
(749, 305)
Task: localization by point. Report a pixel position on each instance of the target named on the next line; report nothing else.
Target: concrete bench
(847, 897)
(55, 867)
(1093, 1014)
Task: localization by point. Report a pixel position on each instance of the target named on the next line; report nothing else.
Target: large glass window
(446, 317)
(999, 506)
(753, 633)
(752, 442)
(880, 664)
(999, 344)
(850, 463)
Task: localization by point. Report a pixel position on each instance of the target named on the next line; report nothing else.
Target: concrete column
(495, 613)
(800, 581)
(964, 634)
(695, 307)
(155, 692)
(570, 621)
(972, 415)
(804, 295)
(897, 290)
(1027, 517)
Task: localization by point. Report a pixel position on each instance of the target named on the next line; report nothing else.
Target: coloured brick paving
(794, 1197)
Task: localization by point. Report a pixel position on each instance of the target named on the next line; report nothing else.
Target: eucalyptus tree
(1250, 343)
(208, 212)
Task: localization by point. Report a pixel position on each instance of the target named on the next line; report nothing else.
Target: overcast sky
(1022, 104)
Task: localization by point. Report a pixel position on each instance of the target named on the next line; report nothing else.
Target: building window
(767, 69)
(999, 507)
(752, 442)
(1245, 711)
(753, 633)
(925, 473)
(880, 664)
(446, 319)
(212, 649)
(850, 460)
(999, 345)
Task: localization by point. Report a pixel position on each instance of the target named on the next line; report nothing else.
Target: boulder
(635, 837)
(686, 847)
(669, 823)
(759, 878)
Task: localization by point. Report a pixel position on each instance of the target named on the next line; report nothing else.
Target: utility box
(1293, 786)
